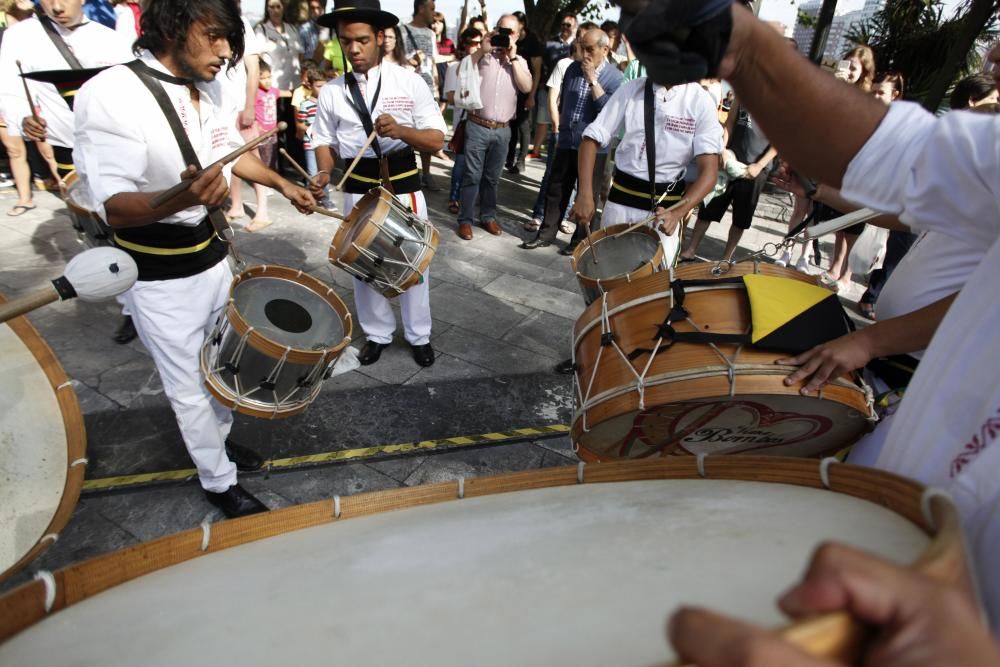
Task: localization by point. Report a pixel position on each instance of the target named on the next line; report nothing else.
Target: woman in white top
(283, 47)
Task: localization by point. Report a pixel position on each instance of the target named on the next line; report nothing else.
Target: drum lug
(608, 338)
(398, 241)
(379, 260)
(231, 367)
(267, 385)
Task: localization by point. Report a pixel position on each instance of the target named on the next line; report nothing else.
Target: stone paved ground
(502, 319)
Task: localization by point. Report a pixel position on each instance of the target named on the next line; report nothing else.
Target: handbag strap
(57, 39)
(648, 117)
(149, 77)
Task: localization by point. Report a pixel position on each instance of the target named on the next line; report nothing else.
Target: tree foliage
(914, 37)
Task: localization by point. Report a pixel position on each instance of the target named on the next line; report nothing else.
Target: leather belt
(485, 122)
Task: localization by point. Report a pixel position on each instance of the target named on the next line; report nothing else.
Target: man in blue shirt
(586, 88)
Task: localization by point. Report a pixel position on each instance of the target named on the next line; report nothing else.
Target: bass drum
(638, 396)
(42, 446)
(560, 566)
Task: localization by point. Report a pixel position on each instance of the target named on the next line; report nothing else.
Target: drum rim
(76, 437)
(347, 252)
(271, 348)
(826, 635)
(600, 235)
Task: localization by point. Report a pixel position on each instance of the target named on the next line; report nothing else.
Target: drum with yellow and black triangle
(683, 362)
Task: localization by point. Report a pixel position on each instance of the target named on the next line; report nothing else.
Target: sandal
(20, 209)
(532, 225)
(867, 310)
(257, 225)
(453, 207)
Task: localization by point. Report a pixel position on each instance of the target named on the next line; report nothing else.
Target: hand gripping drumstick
(309, 179)
(93, 275)
(645, 221)
(357, 158)
(167, 195)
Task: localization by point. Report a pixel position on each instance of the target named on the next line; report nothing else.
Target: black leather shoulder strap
(649, 118)
(360, 108)
(141, 70)
(57, 39)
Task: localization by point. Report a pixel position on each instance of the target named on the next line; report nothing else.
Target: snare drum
(42, 446)
(560, 566)
(383, 243)
(275, 343)
(92, 231)
(618, 261)
(691, 398)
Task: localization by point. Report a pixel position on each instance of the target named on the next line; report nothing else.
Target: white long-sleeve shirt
(124, 143)
(685, 125)
(943, 175)
(93, 44)
(403, 94)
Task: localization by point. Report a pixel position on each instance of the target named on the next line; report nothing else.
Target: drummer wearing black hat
(397, 105)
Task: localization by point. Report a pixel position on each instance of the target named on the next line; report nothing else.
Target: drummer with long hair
(127, 154)
(383, 97)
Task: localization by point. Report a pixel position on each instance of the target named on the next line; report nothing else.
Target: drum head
(617, 255)
(288, 313)
(41, 435)
(356, 230)
(773, 424)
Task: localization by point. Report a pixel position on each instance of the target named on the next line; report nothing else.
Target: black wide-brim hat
(358, 11)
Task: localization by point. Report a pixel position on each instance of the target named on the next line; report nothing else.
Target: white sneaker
(802, 265)
(785, 258)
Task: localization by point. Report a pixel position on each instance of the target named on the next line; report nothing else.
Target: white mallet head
(97, 274)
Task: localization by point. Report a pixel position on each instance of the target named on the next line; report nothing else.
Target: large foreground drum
(276, 342)
(619, 259)
(383, 243)
(639, 396)
(42, 446)
(532, 568)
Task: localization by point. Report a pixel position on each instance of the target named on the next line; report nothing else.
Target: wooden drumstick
(646, 221)
(590, 242)
(167, 195)
(327, 212)
(27, 92)
(99, 273)
(357, 158)
(297, 166)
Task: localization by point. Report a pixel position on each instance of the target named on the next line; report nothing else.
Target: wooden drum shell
(687, 372)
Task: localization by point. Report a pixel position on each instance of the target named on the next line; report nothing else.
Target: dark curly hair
(166, 22)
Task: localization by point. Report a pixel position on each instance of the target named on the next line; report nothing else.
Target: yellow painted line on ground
(361, 453)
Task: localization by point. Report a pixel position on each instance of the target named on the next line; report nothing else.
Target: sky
(771, 10)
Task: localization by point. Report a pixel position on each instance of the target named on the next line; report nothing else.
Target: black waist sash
(402, 170)
(634, 192)
(164, 252)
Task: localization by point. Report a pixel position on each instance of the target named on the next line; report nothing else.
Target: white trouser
(615, 214)
(173, 319)
(375, 311)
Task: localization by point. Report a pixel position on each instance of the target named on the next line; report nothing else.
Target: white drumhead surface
(33, 450)
(578, 575)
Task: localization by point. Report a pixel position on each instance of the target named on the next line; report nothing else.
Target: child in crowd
(305, 116)
(266, 120)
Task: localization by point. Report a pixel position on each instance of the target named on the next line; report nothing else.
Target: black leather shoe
(246, 459)
(423, 354)
(535, 243)
(126, 332)
(565, 367)
(569, 249)
(236, 501)
(371, 352)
